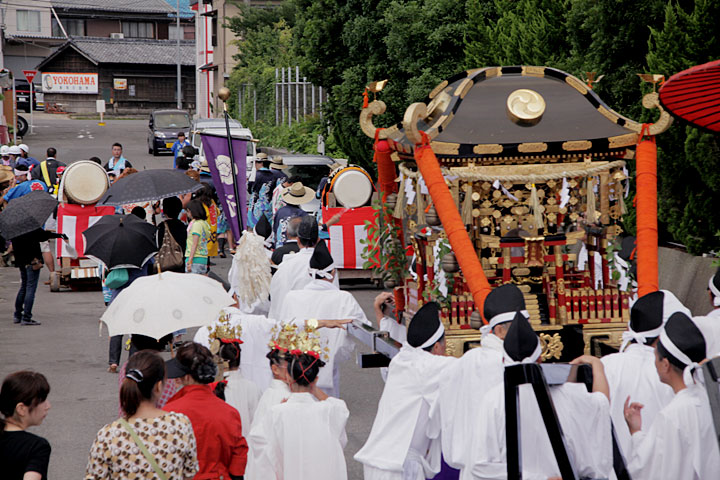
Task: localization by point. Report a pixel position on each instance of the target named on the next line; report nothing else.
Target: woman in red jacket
(221, 447)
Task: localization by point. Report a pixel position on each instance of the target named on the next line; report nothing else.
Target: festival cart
(517, 175)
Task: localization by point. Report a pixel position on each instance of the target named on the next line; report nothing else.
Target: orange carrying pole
(647, 229)
(452, 223)
(385, 166)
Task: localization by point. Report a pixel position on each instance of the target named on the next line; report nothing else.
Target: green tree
(689, 160)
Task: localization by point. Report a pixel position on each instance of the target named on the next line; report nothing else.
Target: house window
(138, 30)
(214, 27)
(28, 21)
(173, 32)
(75, 27)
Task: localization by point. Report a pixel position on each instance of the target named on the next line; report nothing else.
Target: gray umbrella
(149, 185)
(27, 213)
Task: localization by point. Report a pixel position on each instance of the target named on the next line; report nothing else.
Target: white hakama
(400, 445)
(301, 439)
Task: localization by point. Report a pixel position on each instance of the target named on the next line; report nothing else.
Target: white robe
(681, 442)
(397, 331)
(584, 419)
(302, 439)
(461, 390)
(244, 395)
(633, 373)
(710, 327)
(256, 332)
(274, 395)
(322, 300)
(400, 445)
(292, 274)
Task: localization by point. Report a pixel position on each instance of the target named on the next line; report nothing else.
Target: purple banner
(218, 159)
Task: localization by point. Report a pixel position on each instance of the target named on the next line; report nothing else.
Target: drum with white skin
(84, 182)
(352, 186)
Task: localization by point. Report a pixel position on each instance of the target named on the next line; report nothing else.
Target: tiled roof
(147, 52)
(146, 6)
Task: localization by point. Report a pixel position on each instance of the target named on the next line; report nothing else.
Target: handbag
(170, 256)
(143, 449)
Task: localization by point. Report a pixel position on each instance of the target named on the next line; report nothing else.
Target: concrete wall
(43, 6)
(687, 277)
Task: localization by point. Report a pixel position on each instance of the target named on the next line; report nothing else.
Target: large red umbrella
(693, 95)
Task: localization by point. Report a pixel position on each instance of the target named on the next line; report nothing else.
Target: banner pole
(238, 212)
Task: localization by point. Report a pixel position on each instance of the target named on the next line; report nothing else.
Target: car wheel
(155, 152)
(22, 126)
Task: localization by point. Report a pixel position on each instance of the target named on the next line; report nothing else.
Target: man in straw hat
(294, 196)
(261, 191)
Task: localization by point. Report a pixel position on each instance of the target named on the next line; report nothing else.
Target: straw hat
(276, 162)
(260, 157)
(297, 194)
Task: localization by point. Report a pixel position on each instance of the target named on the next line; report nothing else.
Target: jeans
(116, 344)
(26, 295)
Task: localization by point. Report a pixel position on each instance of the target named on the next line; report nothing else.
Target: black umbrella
(121, 241)
(27, 213)
(149, 185)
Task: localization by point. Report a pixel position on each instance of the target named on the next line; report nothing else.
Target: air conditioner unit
(117, 35)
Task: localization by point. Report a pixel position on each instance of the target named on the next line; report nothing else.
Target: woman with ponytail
(147, 442)
(222, 449)
(304, 437)
(23, 404)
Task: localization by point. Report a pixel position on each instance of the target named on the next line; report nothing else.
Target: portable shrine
(516, 174)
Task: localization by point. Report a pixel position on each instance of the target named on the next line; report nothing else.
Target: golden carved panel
(623, 140)
(444, 148)
(536, 147)
(576, 84)
(438, 89)
(577, 145)
(488, 148)
(552, 346)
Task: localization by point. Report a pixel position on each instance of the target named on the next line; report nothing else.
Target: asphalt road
(72, 353)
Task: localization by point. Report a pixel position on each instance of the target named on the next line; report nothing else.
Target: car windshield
(172, 120)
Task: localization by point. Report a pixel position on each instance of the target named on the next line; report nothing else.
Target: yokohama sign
(70, 82)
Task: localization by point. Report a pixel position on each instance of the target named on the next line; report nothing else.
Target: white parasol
(157, 305)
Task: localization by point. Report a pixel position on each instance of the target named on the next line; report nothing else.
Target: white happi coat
(461, 390)
(632, 373)
(244, 395)
(585, 421)
(301, 439)
(681, 442)
(274, 395)
(292, 274)
(400, 445)
(256, 331)
(397, 331)
(323, 300)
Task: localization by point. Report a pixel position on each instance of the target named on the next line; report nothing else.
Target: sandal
(113, 368)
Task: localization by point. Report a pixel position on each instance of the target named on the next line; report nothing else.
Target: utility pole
(177, 55)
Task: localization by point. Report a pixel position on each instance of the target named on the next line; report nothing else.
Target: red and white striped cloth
(345, 236)
(72, 220)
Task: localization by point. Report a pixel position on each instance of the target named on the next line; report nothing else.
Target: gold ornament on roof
(525, 107)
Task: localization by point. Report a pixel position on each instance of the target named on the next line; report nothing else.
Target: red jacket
(221, 447)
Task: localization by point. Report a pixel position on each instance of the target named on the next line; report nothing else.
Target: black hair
(206, 194)
(142, 342)
(230, 352)
(172, 206)
(266, 163)
(96, 160)
(116, 144)
(22, 168)
(199, 361)
(139, 212)
(26, 387)
(196, 209)
(181, 134)
(51, 152)
(304, 368)
(663, 353)
(142, 372)
(276, 356)
(293, 179)
(188, 151)
(219, 390)
(183, 162)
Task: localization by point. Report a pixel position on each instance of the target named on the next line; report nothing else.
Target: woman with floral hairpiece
(304, 437)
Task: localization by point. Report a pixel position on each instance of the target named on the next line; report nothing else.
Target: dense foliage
(345, 44)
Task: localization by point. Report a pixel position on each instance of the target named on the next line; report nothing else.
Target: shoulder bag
(170, 256)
